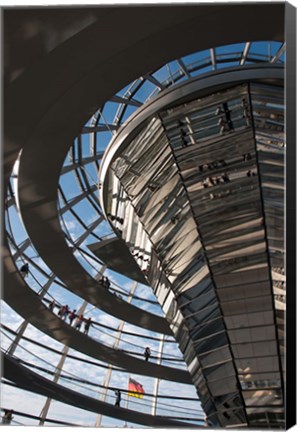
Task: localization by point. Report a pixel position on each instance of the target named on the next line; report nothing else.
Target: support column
(21, 249)
(110, 366)
(46, 287)
(58, 371)
(20, 332)
(157, 380)
(59, 367)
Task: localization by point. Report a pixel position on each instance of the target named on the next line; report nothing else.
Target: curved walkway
(28, 380)
(27, 303)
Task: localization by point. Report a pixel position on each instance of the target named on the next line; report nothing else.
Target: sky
(40, 273)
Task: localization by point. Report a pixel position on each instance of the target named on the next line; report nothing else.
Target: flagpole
(127, 403)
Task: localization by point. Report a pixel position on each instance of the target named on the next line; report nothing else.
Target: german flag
(135, 389)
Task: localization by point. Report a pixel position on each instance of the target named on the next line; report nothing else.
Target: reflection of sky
(89, 144)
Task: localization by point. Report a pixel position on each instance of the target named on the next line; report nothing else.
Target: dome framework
(33, 214)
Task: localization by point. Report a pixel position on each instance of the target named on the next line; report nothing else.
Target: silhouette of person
(71, 316)
(118, 398)
(79, 322)
(88, 323)
(147, 353)
(6, 419)
(24, 269)
(52, 305)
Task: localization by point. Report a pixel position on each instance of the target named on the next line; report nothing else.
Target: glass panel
(215, 357)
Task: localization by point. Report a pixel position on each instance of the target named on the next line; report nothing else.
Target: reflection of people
(205, 183)
(246, 113)
(118, 398)
(147, 353)
(223, 126)
(225, 177)
(218, 110)
(246, 157)
(6, 419)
